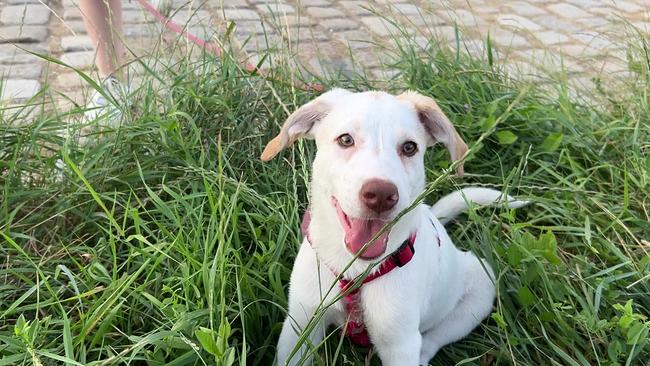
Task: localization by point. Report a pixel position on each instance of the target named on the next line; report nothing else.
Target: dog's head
(369, 160)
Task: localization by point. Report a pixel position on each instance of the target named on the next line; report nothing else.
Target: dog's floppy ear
(301, 122)
(437, 125)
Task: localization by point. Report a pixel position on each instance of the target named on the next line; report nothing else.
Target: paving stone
(421, 41)
(79, 59)
(542, 2)
(324, 12)
(445, 33)
(178, 4)
(620, 55)
(244, 27)
(524, 8)
(571, 66)
(379, 26)
(582, 83)
(262, 43)
(19, 88)
(628, 7)
(594, 40)
(136, 31)
(361, 8)
(255, 59)
(72, 99)
(460, 16)
(10, 54)
(193, 17)
(296, 20)
(642, 26)
(316, 35)
(426, 20)
(23, 71)
(276, 9)
(594, 22)
(337, 24)
(581, 51)
(508, 39)
(331, 67)
(584, 4)
(572, 28)
(355, 39)
(475, 47)
(25, 14)
(74, 27)
(521, 69)
(16, 114)
(406, 8)
(315, 2)
(549, 61)
(613, 67)
(390, 2)
(71, 13)
(568, 11)
(136, 16)
(17, 2)
(485, 10)
(369, 59)
(604, 11)
(199, 30)
(126, 5)
(555, 22)
(240, 3)
(516, 21)
(300, 38)
(24, 33)
(241, 14)
(386, 75)
(76, 43)
(69, 80)
(551, 37)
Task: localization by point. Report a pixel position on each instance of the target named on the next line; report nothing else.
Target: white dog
(422, 293)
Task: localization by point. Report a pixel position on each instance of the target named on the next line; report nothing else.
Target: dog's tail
(457, 202)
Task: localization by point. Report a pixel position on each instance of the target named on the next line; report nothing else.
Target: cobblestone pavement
(532, 35)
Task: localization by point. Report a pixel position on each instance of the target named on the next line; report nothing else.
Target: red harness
(355, 328)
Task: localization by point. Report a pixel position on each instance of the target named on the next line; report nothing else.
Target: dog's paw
(428, 351)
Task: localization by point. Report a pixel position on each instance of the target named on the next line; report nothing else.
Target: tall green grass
(164, 240)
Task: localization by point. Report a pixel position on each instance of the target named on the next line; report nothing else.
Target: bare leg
(103, 21)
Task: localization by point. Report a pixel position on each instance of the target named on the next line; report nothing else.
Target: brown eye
(409, 148)
(345, 140)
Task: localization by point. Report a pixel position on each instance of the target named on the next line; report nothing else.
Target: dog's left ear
(300, 123)
(437, 125)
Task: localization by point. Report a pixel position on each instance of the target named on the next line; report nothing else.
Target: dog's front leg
(403, 350)
(304, 300)
(393, 324)
(292, 328)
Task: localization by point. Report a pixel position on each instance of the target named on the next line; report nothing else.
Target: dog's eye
(345, 140)
(409, 148)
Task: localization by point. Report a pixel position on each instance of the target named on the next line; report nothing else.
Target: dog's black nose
(379, 195)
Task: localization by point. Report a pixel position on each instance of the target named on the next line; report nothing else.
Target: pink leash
(213, 48)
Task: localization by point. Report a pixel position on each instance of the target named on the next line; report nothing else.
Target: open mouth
(359, 232)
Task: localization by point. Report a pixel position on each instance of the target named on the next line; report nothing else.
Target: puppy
(420, 292)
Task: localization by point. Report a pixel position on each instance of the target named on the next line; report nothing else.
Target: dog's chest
(425, 289)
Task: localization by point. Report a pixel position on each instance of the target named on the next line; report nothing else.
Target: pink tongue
(360, 232)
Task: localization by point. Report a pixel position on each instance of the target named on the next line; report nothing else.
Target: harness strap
(355, 328)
